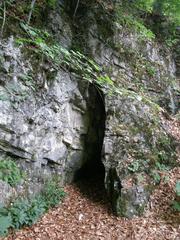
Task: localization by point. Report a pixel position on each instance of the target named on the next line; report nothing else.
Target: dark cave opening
(92, 170)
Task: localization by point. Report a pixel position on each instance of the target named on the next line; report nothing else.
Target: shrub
(42, 43)
(5, 223)
(26, 211)
(52, 194)
(10, 172)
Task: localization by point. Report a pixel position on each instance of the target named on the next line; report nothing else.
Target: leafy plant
(151, 70)
(156, 176)
(170, 9)
(5, 223)
(161, 166)
(3, 97)
(176, 206)
(10, 172)
(163, 15)
(52, 193)
(26, 211)
(159, 173)
(74, 61)
(51, 3)
(134, 166)
(129, 15)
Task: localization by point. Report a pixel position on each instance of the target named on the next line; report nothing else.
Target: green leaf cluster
(164, 13)
(168, 8)
(10, 172)
(51, 3)
(59, 57)
(26, 211)
(128, 16)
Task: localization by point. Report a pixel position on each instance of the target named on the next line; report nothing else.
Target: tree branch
(77, 5)
(4, 17)
(31, 10)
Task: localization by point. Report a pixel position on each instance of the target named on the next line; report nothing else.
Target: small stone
(80, 216)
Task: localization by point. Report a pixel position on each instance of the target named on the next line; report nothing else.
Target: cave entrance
(92, 173)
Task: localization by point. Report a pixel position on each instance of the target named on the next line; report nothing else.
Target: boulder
(136, 148)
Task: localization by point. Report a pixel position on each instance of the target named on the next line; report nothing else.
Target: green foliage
(26, 211)
(151, 70)
(155, 176)
(5, 223)
(176, 206)
(52, 194)
(132, 22)
(166, 18)
(144, 5)
(138, 6)
(170, 9)
(4, 97)
(9, 172)
(22, 212)
(28, 81)
(162, 167)
(41, 42)
(51, 3)
(159, 173)
(134, 166)
(164, 13)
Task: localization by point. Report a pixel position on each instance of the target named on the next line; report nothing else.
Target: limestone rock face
(43, 127)
(142, 66)
(52, 121)
(136, 146)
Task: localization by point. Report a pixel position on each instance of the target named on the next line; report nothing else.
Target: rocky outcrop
(133, 62)
(136, 148)
(136, 144)
(43, 128)
(51, 121)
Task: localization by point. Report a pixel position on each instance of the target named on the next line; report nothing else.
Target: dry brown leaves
(85, 214)
(172, 125)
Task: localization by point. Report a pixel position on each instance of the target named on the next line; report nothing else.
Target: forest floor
(86, 214)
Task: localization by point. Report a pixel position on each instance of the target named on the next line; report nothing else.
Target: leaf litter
(86, 213)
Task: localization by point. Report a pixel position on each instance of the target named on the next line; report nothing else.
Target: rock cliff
(54, 122)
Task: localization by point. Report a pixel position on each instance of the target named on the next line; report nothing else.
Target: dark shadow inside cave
(93, 141)
(90, 177)
(90, 182)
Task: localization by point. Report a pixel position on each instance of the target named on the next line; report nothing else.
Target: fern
(73, 61)
(5, 224)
